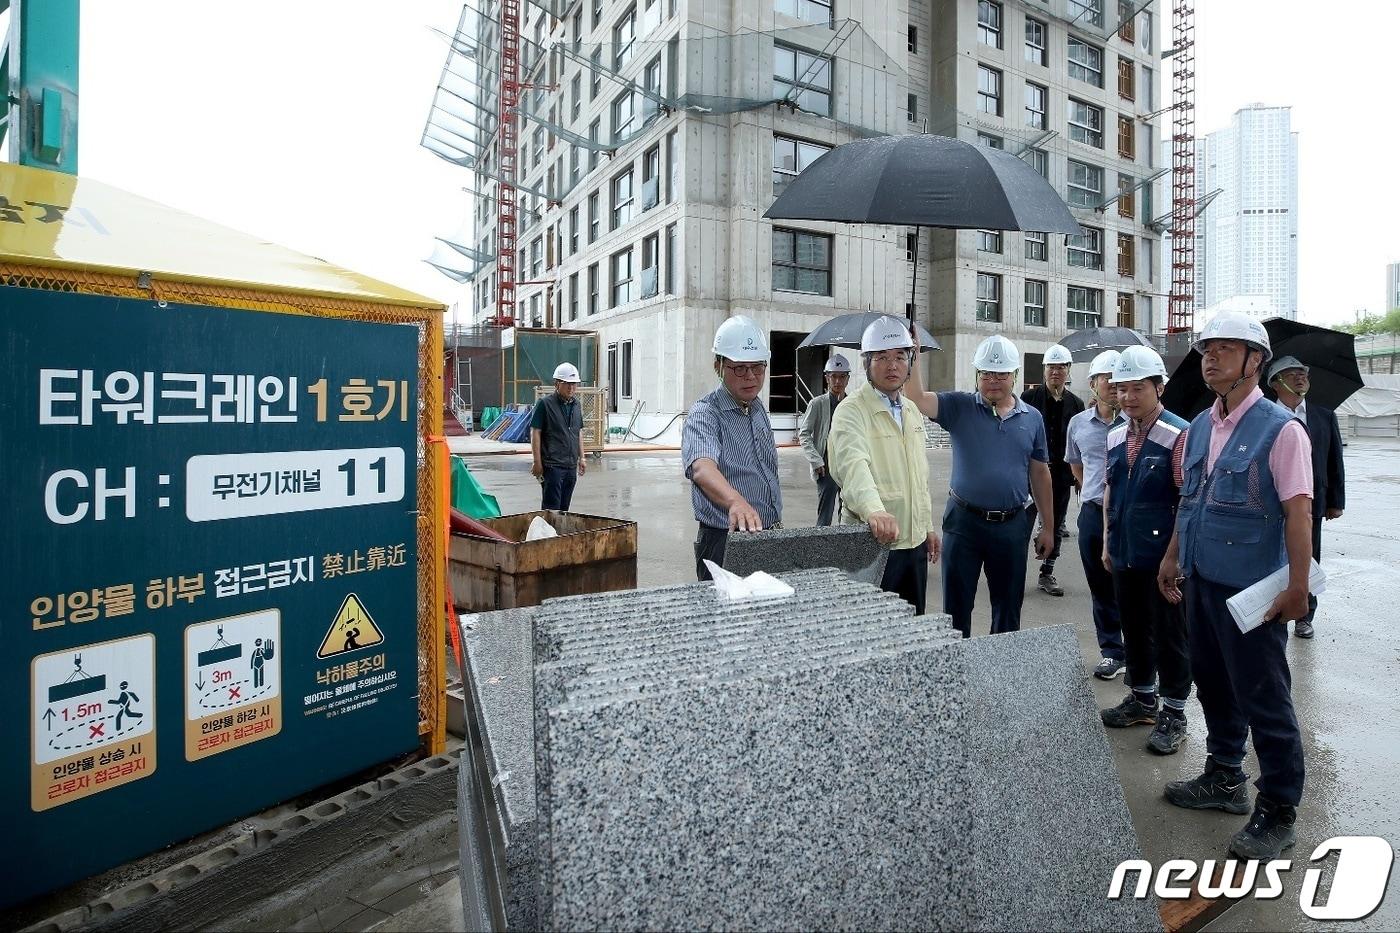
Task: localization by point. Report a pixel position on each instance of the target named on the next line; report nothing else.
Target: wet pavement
(1344, 681)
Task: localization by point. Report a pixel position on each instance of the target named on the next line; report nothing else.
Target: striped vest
(1142, 499)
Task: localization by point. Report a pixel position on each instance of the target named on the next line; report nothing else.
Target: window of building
(575, 96)
(624, 109)
(1127, 190)
(792, 66)
(911, 246)
(573, 297)
(671, 246)
(1085, 123)
(801, 262)
(624, 38)
(809, 11)
(913, 107)
(651, 80)
(1035, 303)
(593, 225)
(593, 289)
(651, 177)
(1037, 246)
(538, 147)
(990, 141)
(1127, 86)
(1086, 251)
(1035, 42)
(1085, 62)
(621, 199)
(1039, 160)
(1127, 141)
(626, 369)
(536, 257)
(596, 70)
(791, 157)
(1086, 12)
(578, 26)
(1126, 32)
(1037, 103)
(573, 230)
(1085, 187)
(989, 23)
(989, 241)
(914, 39)
(1145, 33)
(988, 297)
(989, 90)
(1084, 307)
(594, 129)
(574, 172)
(1127, 257)
(621, 266)
(651, 265)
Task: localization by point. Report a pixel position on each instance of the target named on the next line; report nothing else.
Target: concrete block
(851, 549)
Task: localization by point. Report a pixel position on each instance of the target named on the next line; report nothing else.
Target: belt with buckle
(995, 516)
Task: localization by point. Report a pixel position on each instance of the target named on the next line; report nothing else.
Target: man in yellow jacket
(876, 453)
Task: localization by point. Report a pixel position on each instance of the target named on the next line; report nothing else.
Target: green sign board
(209, 597)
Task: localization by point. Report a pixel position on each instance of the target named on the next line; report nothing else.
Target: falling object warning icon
(352, 629)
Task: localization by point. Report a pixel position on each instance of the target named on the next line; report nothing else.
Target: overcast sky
(299, 120)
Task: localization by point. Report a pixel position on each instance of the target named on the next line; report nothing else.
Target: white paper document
(757, 585)
(1249, 606)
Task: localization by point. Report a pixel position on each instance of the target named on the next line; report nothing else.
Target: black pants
(1061, 487)
(971, 543)
(1154, 636)
(828, 493)
(558, 489)
(1245, 688)
(1107, 624)
(906, 575)
(709, 545)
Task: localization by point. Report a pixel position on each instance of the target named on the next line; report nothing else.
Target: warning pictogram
(352, 630)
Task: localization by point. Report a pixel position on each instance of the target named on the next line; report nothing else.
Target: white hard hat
(996, 354)
(1283, 364)
(740, 339)
(1136, 363)
(566, 372)
(838, 364)
(886, 333)
(1057, 354)
(1235, 325)
(1104, 364)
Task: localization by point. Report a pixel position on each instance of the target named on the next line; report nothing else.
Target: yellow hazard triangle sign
(352, 630)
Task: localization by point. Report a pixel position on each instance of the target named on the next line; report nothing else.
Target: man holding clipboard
(1245, 513)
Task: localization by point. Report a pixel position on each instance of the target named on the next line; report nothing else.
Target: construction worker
(877, 455)
(556, 440)
(1086, 450)
(727, 446)
(1000, 465)
(1245, 513)
(1057, 405)
(1143, 487)
(1289, 378)
(816, 425)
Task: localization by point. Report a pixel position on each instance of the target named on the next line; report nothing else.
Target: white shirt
(1301, 412)
(895, 406)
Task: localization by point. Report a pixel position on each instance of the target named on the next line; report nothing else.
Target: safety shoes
(1303, 628)
(1050, 585)
(1108, 668)
(1269, 831)
(1169, 732)
(1131, 712)
(1219, 788)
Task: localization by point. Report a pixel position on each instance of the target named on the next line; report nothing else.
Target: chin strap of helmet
(1224, 403)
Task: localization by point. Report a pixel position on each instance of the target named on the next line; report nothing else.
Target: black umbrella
(845, 330)
(924, 180)
(1084, 345)
(1330, 356)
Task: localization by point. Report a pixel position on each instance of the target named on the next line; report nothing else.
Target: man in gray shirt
(816, 425)
(1086, 448)
(727, 446)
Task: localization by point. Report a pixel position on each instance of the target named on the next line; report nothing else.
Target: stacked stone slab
(849, 548)
(826, 761)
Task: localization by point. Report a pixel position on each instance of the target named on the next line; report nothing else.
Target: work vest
(1230, 523)
(1142, 498)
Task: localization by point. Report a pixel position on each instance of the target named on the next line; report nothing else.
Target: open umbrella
(845, 330)
(1330, 356)
(1084, 345)
(924, 180)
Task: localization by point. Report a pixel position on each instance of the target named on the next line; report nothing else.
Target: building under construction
(618, 156)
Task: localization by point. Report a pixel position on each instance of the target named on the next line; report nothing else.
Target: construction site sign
(193, 494)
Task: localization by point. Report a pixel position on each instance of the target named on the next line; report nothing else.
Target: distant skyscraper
(1392, 287)
(1247, 239)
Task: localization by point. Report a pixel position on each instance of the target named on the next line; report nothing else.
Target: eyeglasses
(983, 374)
(748, 369)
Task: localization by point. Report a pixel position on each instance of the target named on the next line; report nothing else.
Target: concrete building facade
(661, 130)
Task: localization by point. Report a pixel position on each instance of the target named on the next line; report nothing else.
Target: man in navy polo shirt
(1000, 461)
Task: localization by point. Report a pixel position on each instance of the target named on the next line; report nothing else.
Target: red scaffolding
(508, 147)
(1181, 303)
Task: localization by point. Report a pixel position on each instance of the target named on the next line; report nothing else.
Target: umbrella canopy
(844, 331)
(924, 180)
(1084, 345)
(1330, 356)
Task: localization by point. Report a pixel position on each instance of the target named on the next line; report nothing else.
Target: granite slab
(851, 549)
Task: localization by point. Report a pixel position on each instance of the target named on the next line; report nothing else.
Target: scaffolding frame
(1181, 301)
